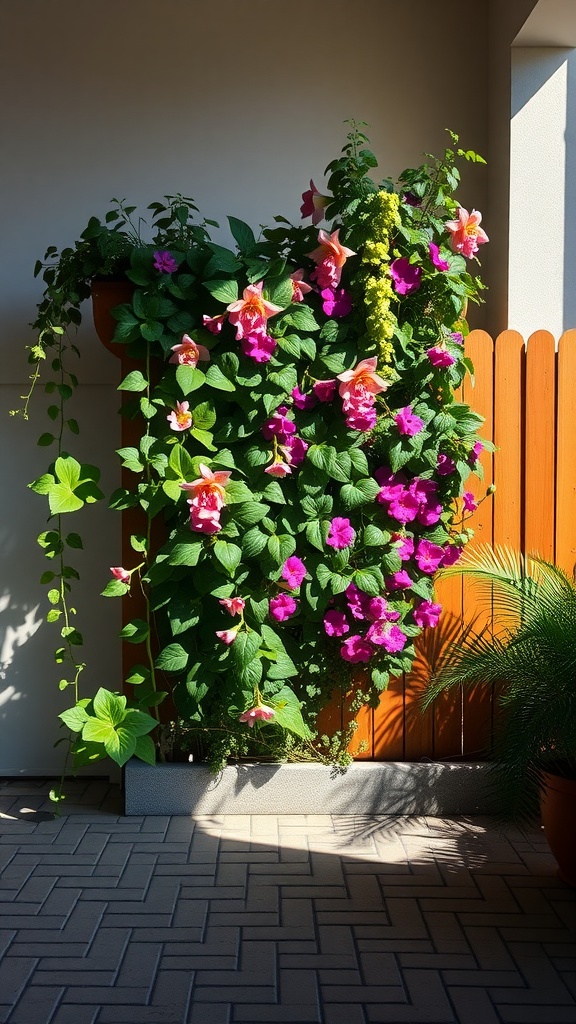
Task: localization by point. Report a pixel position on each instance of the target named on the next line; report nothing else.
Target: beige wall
(237, 103)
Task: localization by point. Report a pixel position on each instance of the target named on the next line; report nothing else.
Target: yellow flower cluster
(380, 216)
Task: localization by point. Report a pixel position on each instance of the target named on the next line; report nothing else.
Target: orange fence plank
(540, 445)
(388, 723)
(565, 551)
(510, 367)
(476, 710)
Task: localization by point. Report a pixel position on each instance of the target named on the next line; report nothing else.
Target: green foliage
(242, 392)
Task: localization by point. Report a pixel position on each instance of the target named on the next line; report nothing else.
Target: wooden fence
(527, 394)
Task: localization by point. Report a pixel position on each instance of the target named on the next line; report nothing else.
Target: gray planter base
(389, 787)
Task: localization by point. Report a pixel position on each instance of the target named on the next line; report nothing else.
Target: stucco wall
(237, 103)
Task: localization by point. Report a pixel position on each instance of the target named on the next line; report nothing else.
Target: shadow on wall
(17, 625)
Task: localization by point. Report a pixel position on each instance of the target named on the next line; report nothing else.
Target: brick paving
(293, 918)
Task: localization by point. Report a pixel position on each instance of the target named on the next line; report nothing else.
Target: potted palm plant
(528, 653)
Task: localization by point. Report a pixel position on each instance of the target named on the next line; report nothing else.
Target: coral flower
(213, 323)
(233, 605)
(262, 712)
(299, 286)
(314, 203)
(227, 636)
(250, 313)
(466, 233)
(330, 257)
(209, 484)
(362, 376)
(188, 352)
(180, 418)
(120, 574)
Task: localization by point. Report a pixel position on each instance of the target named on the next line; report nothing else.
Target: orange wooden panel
(540, 445)
(447, 724)
(477, 706)
(388, 723)
(565, 553)
(510, 361)
(329, 720)
(364, 735)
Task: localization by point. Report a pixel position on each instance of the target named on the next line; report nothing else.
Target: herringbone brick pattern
(319, 920)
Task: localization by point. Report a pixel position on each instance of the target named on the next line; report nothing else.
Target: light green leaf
(172, 659)
(109, 707)
(189, 378)
(134, 381)
(216, 379)
(229, 555)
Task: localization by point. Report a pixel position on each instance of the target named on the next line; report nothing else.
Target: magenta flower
(282, 607)
(233, 605)
(428, 556)
(445, 465)
(336, 623)
(426, 614)
(404, 507)
(436, 258)
(227, 636)
(357, 601)
(164, 262)
(279, 426)
(383, 634)
(407, 422)
(476, 452)
(294, 449)
(259, 347)
(406, 546)
(392, 484)
(324, 390)
(341, 533)
(411, 199)
(355, 649)
(429, 514)
(452, 554)
(377, 608)
(398, 581)
(260, 713)
(406, 276)
(457, 337)
(440, 357)
(302, 401)
(120, 574)
(362, 419)
(293, 571)
(469, 503)
(336, 302)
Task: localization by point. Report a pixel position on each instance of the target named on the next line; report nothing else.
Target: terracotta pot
(558, 807)
(107, 294)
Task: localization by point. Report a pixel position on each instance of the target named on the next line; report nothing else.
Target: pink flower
(406, 277)
(213, 323)
(428, 556)
(208, 498)
(457, 337)
(279, 426)
(180, 418)
(261, 712)
(466, 233)
(407, 422)
(227, 636)
(336, 623)
(314, 204)
(357, 601)
(233, 605)
(383, 634)
(469, 503)
(355, 649)
(436, 258)
(426, 614)
(336, 302)
(279, 468)
(330, 257)
(299, 286)
(249, 314)
(376, 609)
(293, 571)
(392, 484)
(362, 419)
(476, 452)
(188, 352)
(445, 465)
(302, 401)
(120, 574)
(440, 356)
(341, 533)
(364, 377)
(324, 390)
(282, 607)
(164, 262)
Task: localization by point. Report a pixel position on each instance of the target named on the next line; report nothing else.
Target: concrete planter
(397, 788)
